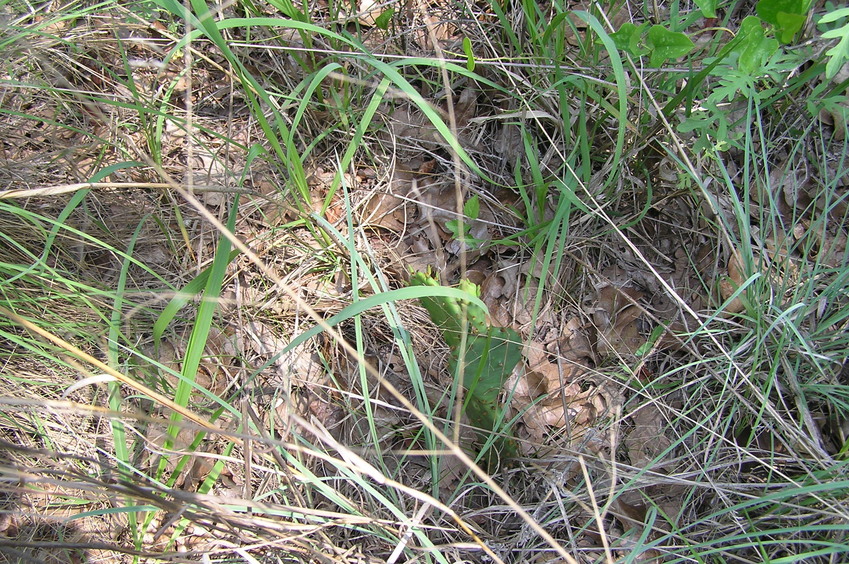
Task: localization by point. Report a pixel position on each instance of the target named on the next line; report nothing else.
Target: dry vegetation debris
(682, 323)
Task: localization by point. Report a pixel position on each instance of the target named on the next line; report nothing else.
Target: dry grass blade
(85, 357)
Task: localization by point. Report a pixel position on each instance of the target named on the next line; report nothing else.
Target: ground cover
(443, 282)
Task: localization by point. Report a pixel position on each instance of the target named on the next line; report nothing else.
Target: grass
(210, 350)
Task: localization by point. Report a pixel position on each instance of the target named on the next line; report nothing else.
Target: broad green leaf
(789, 25)
(629, 39)
(382, 21)
(787, 16)
(454, 227)
(472, 208)
(707, 7)
(484, 355)
(754, 48)
(667, 44)
(470, 56)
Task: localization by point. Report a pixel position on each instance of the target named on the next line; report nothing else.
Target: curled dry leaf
(299, 366)
(547, 377)
(497, 289)
(321, 183)
(548, 387)
(730, 283)
(510, 143)
(420, 255)
(390, 209)
(369, 11)
(617, 319)
(647, 440)
(832, 250)
(410, 128)
(573, 409)
(574, 343)
(385, 210)
(478, 273)
(835, 115)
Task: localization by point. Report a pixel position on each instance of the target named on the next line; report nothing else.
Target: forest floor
(427, 282)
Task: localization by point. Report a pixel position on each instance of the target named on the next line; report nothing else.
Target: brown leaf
(631, 515)
(369, 11)
(728, 285)
(386, 210)
(574, 343)
(835, 116)
(299, 366)
(554, 378)
(647, 439)
(617, 319)
(466, 107)
(412, 127)
(216, 367)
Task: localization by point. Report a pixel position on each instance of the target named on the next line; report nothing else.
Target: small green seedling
(488, 356)
(471, 210)
(755, 48)
(470, 55)
(384, 19)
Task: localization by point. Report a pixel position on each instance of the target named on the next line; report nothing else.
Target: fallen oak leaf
(647, 440)
(616, 317)
(729, 284)
(386, 210)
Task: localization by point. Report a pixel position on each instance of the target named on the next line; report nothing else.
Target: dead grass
(682, 395)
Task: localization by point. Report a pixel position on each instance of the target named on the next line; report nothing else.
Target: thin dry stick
(67, 188)
(599, 518)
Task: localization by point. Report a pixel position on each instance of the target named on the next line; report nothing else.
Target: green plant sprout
(471, 210)
(483, 355)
